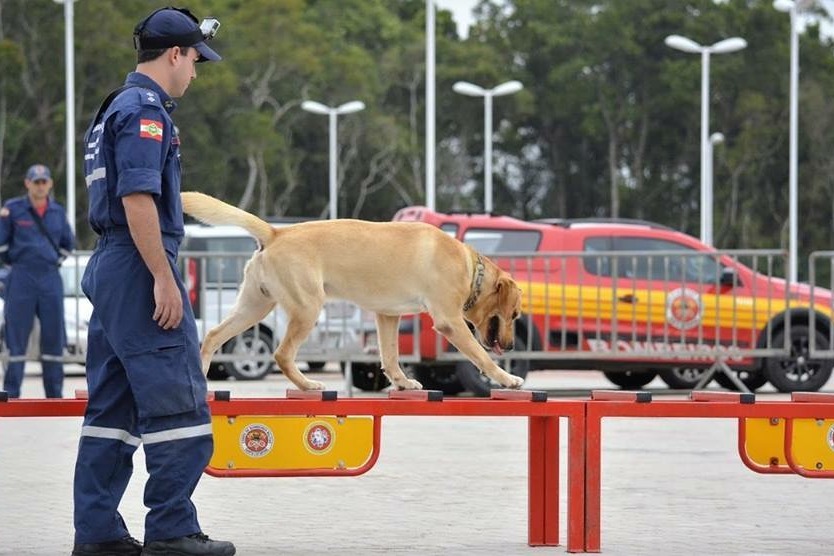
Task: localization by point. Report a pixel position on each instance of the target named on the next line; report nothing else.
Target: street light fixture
(472, 90)
(69, 55)
(714, 139)
(722, 47)
(332, 113)
(791, 7)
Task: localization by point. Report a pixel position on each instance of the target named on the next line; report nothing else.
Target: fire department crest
(318, 438)
(256, 440)
(683, 308)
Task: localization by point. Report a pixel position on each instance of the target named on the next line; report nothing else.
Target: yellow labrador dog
(390, 268)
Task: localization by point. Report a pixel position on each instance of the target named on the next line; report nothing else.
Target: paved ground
(446, 486)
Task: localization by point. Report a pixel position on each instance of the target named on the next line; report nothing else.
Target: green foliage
(608, 122)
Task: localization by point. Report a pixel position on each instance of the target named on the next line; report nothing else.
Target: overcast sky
(462, 10)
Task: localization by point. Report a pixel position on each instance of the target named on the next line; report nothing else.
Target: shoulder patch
(150, 129)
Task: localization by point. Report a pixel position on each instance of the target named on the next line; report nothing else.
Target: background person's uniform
(145, 383)
(34, 287)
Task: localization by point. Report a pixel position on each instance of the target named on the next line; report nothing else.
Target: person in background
(144, 380)
(35, 238)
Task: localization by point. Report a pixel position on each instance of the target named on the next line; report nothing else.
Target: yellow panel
(813, 444)
(765, 441)
(289, 442)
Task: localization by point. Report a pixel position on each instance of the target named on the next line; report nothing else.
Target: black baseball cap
(168, 27)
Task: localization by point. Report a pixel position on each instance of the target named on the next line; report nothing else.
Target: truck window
(490, 242)
(450, 229)
(227, 270)
(677, 262)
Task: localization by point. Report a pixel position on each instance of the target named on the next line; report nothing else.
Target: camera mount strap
(62, 253)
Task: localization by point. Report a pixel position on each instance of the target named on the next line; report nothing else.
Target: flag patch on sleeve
(150, 129)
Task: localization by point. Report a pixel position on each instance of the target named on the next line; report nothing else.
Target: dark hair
(153, 54)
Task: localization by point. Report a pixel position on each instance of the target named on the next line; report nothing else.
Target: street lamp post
(472, 90)
(430, 105)
(714, 139)
(69, 54)
(722, 47)
(332, 113)
(791, 7)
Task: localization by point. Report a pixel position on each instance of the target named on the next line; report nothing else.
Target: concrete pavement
(446, 486)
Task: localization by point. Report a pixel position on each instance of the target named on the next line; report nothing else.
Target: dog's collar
(477, 280)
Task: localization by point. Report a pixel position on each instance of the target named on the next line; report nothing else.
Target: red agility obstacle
(243, 427)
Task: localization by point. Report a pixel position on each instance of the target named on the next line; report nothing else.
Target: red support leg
(593, 482)
(536, 445)
(576, 483)
(551, 481)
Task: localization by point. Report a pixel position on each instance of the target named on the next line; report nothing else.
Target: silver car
(212, 259)
(77, 311)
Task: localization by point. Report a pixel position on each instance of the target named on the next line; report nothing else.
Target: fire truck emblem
(256, 440)
(831, 437)
(318, 438)
(683, 308)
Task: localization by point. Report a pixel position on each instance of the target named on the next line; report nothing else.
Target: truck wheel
(798, 372)
(682, 378)
(479, 384)
(259, 347)
(752, 379)
(630, 380)
(435, 377)
(369, 377)
(217, 372)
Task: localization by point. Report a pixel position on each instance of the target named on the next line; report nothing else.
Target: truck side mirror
(728, 277)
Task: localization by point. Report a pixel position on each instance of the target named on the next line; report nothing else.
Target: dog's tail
(214, 211)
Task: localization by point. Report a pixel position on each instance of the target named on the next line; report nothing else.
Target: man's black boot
(127, 545)
(197, 544)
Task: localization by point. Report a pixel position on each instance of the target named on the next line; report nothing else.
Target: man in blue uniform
(35, 238)
(144, 380)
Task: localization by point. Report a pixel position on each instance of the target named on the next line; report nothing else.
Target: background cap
(38, 172)
(169, 22)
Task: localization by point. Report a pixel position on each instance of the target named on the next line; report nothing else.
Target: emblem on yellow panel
(319, 437)
(256, 440)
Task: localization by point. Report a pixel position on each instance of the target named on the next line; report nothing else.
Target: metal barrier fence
(821, 280)
(658, 305)
(692, 307)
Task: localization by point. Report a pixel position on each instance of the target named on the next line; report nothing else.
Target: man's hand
(143, 221)
(168, 311)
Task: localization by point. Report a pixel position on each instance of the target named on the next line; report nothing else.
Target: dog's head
(495, 312)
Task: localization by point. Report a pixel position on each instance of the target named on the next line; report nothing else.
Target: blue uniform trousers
(35, 290)
(146, 387)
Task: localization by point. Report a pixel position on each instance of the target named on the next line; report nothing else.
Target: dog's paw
(313, 385)
(408, 384)
(513, 381)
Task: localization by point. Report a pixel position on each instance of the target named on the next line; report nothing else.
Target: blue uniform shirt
(21, 241)
(134, 148)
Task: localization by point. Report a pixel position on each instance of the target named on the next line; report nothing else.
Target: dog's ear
(504, 288)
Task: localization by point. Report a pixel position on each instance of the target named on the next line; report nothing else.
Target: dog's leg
(388, 330)
(456, 331)
(302, 320)
(250, 308)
